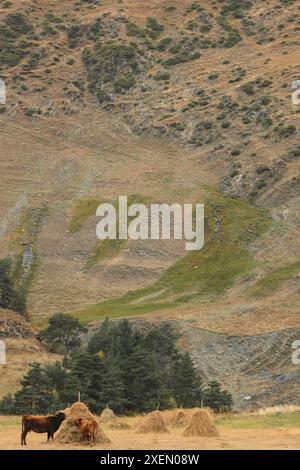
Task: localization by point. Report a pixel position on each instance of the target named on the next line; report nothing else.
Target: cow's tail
(22, 433)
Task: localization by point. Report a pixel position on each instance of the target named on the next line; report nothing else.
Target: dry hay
(153, 422)
(107, 416)
(201, 424)
(168, 416)
(119, 423)
(69, 432)
(180, 419)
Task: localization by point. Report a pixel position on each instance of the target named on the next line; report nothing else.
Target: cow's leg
(48, 436)
(23, 438)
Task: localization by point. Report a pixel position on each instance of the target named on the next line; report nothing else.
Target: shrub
(164, 44)
(113, 63)
(287, 131)
(17, 23)
(248, 88)
(74, 34)
(123, 84)
(133, 29)
(154, 25)
(48, 29)
(162, 76)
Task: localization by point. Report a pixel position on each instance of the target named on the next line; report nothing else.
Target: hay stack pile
(153, 422)
(107, 416)
(180, 419)
(201, 424)
(69, 432)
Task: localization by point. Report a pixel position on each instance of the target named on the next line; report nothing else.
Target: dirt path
(237, 439)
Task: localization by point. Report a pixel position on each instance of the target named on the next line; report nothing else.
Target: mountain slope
(164, 102)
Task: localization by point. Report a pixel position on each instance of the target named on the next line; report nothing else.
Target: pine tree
(7, 405)
(219, 400)
(94, 391)
(63, 333)
(113, 386)
(144, 381)
(35, 396)
(101, 341)
(78, 378)
(187, 383)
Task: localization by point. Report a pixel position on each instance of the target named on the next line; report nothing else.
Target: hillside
(22, 348)
(168, 102)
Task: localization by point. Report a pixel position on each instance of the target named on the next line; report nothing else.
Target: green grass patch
(118, 308)
(104, 249)
(274, 279)
(109, 248)
(81, 211)
(280, 420)
(230, 226)
(7, 422)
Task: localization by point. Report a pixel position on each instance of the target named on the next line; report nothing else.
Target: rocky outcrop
(12, 325)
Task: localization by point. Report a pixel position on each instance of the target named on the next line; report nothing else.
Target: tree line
(130, 369)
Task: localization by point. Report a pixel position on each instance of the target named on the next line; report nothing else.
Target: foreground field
(275, 431)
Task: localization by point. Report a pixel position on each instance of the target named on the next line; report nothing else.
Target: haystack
(201, 424)
(107, 416)
(153, 422)
(69, 432)
(180, 419)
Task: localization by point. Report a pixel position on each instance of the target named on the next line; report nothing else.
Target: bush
(154, 25)
(74, 34)
(248, 88)
(123, 84)
(10, 297)
(113, 64)
(287, 131)
(164, 44)
(17, 23)
(133, 29)
(162, 76)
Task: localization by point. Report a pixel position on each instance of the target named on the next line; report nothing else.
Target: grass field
(237, 431)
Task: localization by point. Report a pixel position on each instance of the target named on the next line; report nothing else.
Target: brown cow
(88, 429)
(41, 424)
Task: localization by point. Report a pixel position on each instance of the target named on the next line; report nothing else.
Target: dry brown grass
(232, 437)
(154, 422)
(107, 416)
(201, 424)
(69, 432)
(180, 419)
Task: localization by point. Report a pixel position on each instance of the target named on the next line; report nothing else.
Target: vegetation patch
(230, 226)
(272, 281)
(112, 67)
(13, 47)
(130, 369)
(278, 420)
(104, 249)
(81, 211)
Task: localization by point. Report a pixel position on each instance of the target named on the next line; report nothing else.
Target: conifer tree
(35, 396)
(63, 333)
(187, 384)
(219, 400)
